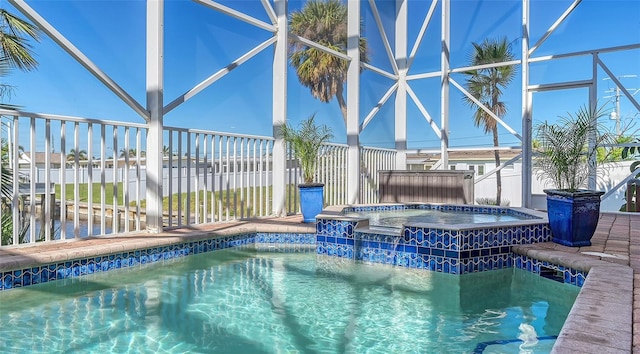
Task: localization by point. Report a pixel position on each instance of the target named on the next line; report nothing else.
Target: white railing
(332, 171)
(46, 204)
(373, 160)
(76, 177)
(216, 176)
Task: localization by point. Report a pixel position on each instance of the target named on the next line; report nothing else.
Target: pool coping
(600, 320)
(335, 212)
(31, 255)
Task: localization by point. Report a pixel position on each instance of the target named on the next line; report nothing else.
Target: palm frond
(14, 46)
(307, 140)
(567, 147)
(323, 22)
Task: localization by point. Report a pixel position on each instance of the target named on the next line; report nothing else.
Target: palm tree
(15, 52)
(6, 90)
(486, 86)
(14, 45)
(82, 155)
(165, 151)
(324, 22)
(130, 153)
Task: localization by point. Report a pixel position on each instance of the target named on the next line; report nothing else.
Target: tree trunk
(498, 176)
(342, 103)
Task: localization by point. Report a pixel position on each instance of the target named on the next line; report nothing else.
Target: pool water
(397, 218)
(245, 301)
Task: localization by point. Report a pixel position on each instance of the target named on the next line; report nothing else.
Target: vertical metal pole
(103, 178)
(15, 166)
(527, 153)
(171, 176)
(114, 182)
(618, 116)
(76, 180)
(401, 93)
(353, 97)
(444, 85)
(593, 102)
(32, 180)
(46, 205)
(155, 73)
(279, 108)
(90, 212)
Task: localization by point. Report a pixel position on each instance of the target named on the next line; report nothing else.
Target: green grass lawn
(84, 193)
(237, 206)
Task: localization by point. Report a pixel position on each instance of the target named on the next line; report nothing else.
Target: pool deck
(604, 319)
(606, 315)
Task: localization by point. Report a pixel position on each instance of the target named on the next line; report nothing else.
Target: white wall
(609, 175)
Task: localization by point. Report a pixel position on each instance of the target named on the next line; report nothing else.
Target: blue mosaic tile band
(568, 275)
(333, 249)
(329, 227)
(76, 268)
(484, 209)
(285, 238)
(469, 239)
(393, 250)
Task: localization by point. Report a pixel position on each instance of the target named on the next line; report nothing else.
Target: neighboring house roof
(40, 157)
(463, 156)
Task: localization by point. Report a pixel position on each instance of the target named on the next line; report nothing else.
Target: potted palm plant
(306, 141)
(564, 156)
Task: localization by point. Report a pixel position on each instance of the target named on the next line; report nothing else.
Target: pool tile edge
(604, 305)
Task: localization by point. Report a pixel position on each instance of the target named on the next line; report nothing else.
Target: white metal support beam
(593, 106)
(353, 99)
(76, 54)
(502, 165)
(401, 92)
(527, 125)
(238, 15)
(155, 88)
(554, 26)
(559, 85)
(615, 79)
(318, 46)
(601, 50)
(424, 75)
(444, 84)
(383, 34)
(425, 113)
(487, 110)
(269, 10)
(377, 107)
(379, 71)
(484, 66)
(218, 75)
(279, 157)
(423, 29)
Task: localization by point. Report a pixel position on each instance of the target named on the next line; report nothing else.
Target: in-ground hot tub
(461, 239)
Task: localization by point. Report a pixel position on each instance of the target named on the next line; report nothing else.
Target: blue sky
(200, 41)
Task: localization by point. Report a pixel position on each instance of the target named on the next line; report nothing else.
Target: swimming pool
(240, 300)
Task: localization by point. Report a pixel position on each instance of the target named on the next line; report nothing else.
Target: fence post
(155, 73)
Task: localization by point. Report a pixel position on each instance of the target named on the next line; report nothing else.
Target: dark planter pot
(573, 216)
(311, 200)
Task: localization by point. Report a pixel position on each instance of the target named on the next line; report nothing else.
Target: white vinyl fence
(77, 177)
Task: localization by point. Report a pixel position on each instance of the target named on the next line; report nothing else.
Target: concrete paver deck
(604, 319)
(606, 316)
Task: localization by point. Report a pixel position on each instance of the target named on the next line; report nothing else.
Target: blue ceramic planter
(311, 200)
(573, 216)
